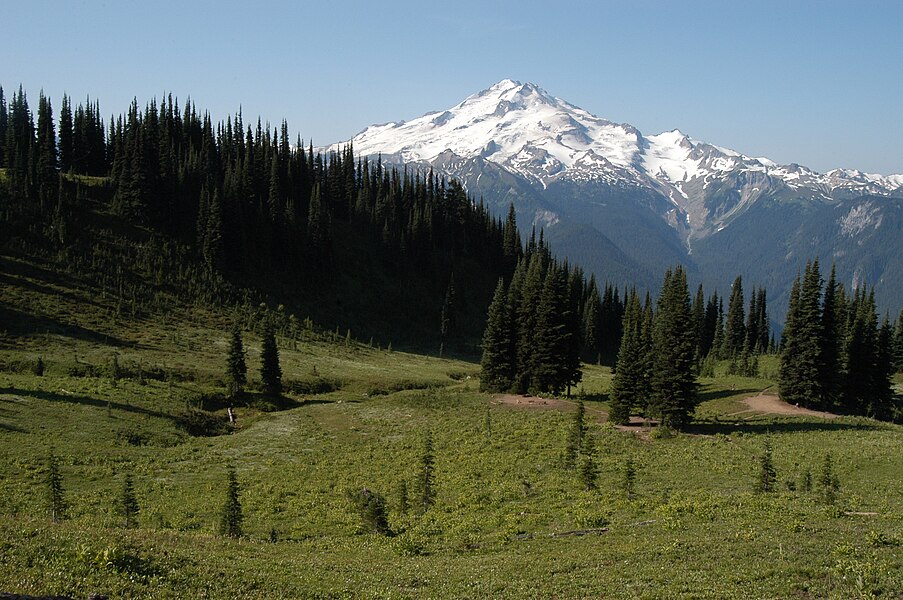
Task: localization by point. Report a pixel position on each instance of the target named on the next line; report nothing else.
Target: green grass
(695, 529)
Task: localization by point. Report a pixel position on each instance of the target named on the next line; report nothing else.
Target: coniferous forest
(228, 358)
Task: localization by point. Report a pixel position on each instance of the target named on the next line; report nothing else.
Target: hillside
(356, 416)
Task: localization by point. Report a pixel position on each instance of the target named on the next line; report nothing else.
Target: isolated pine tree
(231, 515)
(56, 501)
(270, 371)
(128, 503)
(589, 471)
(628, 483)
(371, 508)
(236, 367)
(426, 477)
(767, 474)
(576, 435)
(828, 481)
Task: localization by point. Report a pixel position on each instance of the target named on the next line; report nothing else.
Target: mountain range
(625, 205)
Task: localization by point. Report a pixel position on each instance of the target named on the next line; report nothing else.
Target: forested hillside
(225, 212)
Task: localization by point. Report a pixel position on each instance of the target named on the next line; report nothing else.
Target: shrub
(371, 508)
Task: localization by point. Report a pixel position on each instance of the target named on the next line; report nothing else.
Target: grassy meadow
(121, 394)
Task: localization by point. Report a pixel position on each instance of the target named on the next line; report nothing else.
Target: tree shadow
(19, 323)
(12, 428)
(83, 400)
(717, 394)
(710, 427)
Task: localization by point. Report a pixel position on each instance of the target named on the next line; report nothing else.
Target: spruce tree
(832, 338)
(426, 478)
(236, 368)
(589, 471)
(674, 378)
(767, 474)
(734, 327)
(128, 503)
(497, 364)
(56, 501)
(66, 148)
(270, 372)
(231, 515)
(627, 385)
(628, 483)
(448, 317)
(576, 435)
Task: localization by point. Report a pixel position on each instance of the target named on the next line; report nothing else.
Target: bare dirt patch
(771, 404)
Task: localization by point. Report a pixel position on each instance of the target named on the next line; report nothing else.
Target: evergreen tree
(831, 351)
(56, 501)
(497, 364)
(767, 474)
(236, 367)
(801, 359)
(628, 386)
(551, 367)
(628, 484)
(231, 515)
(674, 385)
(46, 167)
(128, 504)
(270, 371)
(576, 435)
(828, 480)
(527, 310)
(734, 327)
(448, 318)
(66, 133)
(589, 471)
(426, 479)
(371, 508)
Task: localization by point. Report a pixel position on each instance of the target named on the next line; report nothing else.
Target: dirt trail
(769, 403)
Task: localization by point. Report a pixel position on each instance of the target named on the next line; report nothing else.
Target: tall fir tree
(497, 363)
(236, 367)
(56, 500)
(426, 485)
(128, 507)
(628, 384)
(270, 371)
(734, 326)
(231, 517)
(674, 385)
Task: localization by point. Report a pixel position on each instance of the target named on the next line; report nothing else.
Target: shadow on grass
(11, 428)
(20, 323)
(710, 427)
(83, 400)
(717, 394)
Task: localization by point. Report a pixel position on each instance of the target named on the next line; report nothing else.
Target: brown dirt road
(769, 403)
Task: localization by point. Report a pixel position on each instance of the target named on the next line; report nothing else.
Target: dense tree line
(257, 208)
(836, 353)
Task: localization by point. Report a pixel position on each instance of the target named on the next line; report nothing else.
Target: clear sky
(819, 83)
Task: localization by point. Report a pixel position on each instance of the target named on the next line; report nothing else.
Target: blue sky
(814, 82)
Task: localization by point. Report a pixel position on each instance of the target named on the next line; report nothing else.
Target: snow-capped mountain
(526, 131)
(625, 204)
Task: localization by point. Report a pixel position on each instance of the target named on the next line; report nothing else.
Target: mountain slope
(625, 204)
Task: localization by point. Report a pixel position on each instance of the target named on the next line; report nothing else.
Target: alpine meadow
(236, 365)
